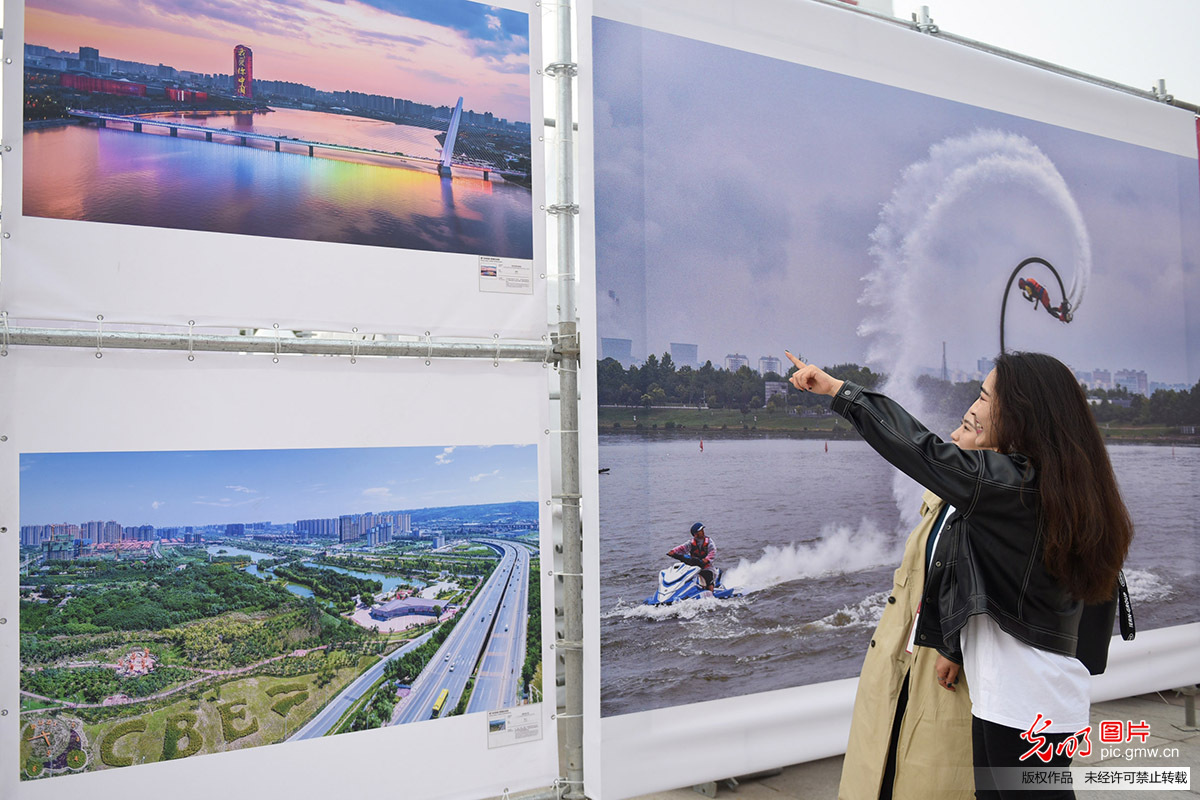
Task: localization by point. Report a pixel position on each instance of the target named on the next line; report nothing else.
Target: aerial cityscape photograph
(163, 616)
(396, 130)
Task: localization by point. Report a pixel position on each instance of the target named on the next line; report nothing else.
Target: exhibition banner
(228, 164)
(891, 211)
(278, 595)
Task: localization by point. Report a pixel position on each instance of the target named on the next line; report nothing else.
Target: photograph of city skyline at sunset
(180, 603)
(348, 122)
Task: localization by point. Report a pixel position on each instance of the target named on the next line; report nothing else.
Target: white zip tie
(99, 333)
(276, 358)
(191, 325)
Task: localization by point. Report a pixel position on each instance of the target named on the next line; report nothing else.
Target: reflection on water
(118, 176)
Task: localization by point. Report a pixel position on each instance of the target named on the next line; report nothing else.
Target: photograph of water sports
(350, 122)
(745, 205)
(180, 603)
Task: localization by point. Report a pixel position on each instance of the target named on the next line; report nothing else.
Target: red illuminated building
(87, 83)
(186, 95)
(243, 72)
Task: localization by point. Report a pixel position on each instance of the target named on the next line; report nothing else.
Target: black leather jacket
(989, 559)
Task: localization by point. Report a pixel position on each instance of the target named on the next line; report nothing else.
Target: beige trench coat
(933, 752)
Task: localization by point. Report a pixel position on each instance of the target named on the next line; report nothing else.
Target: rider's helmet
(697, 528)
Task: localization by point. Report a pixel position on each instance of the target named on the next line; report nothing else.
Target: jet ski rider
(699, 552)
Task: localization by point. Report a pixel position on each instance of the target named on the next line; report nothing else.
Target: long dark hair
(1042, 413)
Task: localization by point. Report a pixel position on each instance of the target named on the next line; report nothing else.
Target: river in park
(390, 582)
(814, 537)
(151, 178)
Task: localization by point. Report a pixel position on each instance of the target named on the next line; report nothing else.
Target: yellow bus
(441, 701)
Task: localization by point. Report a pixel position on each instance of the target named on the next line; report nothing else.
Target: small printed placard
(514, 725)
(505, 275)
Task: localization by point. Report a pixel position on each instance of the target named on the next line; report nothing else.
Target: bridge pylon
(451, 138)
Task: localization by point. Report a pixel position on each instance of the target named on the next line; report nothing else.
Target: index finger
(794, 360)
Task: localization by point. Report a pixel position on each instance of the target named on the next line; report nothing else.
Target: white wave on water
(688, 609)
(1146, 587)
(840, 550)
(917, 246)
(863, 614)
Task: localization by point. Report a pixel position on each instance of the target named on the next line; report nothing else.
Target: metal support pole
(564, 209)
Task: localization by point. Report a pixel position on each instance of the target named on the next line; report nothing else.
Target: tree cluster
(326, 584)
(660, 382)
(93, 684)
(1164, 407)
(533, 630)
(149, 599)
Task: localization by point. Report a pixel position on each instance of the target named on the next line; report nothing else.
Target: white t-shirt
(1012, 682)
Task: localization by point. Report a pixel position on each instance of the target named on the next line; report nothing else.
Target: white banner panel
(228, 167)
(797, 175)
(210, 616)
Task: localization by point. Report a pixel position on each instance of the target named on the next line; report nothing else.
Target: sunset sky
(430, 51)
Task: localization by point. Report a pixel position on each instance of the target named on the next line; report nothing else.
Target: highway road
(499, 674)
(320, 724)
(494, 607)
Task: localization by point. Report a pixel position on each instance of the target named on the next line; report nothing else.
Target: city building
(685, 355)
(380, 534)
(985, 365)
(1133, 381)
(406, 606)
(619, 349)
(735, 361)
(772, 388)
(770, 364)
(317, 528)
(348, 530)
(89, 59)
(243, 72)
(1103, 379)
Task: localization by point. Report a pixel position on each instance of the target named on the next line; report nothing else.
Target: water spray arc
(1062, 312)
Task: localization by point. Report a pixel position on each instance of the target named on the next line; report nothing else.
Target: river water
(814, 537)
(114, 175)
(390, 582)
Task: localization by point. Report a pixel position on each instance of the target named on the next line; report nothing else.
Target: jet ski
(682, 581)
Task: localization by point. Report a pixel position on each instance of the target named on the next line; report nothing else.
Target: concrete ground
(1163, 712)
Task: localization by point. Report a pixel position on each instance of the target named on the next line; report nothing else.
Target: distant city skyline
(100, 64)
(214, 487)
(955, 364)
(430, 51)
